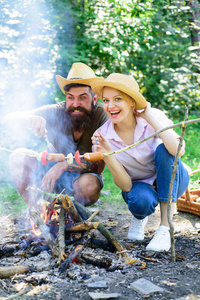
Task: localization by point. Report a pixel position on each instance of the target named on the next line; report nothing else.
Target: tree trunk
(194, 20)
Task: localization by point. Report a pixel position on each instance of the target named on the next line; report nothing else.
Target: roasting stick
(46, 157)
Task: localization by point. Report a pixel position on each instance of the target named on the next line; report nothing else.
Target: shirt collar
(111, 133)
(140, 128)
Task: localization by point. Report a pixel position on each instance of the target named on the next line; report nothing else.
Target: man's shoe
(161, 240)
(136, 230)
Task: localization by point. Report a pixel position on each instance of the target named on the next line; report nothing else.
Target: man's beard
(79, 122)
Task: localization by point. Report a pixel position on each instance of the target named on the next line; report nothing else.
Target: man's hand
(21, 120)
(38, 124)
(52, 175)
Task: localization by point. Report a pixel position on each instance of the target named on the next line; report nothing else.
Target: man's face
(79, 99)
(79, 106)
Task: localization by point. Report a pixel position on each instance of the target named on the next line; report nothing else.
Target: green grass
(111, 194)
(11, 201)
(192, 150)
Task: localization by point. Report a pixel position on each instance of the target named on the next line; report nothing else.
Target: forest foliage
(151, 40)
(156, 41)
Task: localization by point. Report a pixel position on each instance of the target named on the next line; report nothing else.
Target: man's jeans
(143, 198)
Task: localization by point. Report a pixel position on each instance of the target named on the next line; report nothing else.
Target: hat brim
(98, 84)
(62, 82)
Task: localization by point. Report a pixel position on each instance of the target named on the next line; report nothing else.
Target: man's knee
(87, 189)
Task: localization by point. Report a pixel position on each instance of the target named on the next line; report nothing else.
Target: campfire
(64, 228)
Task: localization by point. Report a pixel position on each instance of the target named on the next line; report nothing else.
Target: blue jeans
(143, 198)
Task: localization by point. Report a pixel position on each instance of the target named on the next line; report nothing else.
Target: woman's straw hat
(79, 73)
(121, 82)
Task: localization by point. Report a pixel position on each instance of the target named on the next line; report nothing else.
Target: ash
(83, 280)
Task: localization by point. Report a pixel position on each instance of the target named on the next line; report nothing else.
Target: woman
(143, 173)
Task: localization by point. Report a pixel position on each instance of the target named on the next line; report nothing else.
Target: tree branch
(171, 225)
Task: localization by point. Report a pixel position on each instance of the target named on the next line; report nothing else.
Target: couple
(143, 173)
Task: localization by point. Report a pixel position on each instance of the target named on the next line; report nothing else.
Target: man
(68, 126)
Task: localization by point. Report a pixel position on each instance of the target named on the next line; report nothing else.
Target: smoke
(27, 65)
(26, 60)
(28, 57)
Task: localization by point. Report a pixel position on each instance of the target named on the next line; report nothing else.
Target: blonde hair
(126, 97)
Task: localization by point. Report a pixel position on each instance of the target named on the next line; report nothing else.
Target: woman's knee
(141, 200)
(161, 153)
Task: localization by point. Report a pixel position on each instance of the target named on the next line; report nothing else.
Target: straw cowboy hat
(79, 73)
(121, 82)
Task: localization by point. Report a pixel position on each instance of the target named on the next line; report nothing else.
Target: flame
(46, 215)
(38, 232)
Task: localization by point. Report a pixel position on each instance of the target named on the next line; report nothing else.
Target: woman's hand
(101, 143)
(146, 113)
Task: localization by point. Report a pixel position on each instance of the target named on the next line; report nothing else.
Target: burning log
(45, 231)
(76, 251)
(113, 240)
(6, 272)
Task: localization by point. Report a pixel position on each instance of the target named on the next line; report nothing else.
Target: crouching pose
(143, 173)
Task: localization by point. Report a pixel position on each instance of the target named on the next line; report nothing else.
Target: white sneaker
(136, 230)
(161, 240)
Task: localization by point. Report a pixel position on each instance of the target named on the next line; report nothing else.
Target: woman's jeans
(143, 198)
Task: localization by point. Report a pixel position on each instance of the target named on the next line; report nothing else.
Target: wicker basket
(187, 203)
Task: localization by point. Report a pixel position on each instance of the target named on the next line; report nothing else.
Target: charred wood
(100, 243)
(101, 261)
(8, 250)
(76, 251)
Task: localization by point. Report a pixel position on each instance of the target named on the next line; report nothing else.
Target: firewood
(76, 251)
(45, 231)
(6, 272)
(83, 226)
(95, 243)
(101, 261)
(93, 215)
(70, 208)
(108, 235)
(61, 235)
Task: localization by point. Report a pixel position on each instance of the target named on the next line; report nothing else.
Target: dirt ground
(179, 280)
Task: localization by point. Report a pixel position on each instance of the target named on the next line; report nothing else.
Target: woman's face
(115, 106)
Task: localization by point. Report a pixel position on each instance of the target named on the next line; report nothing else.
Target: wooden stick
(173, 256)
(6, 272)
(61, 235)
(93, 215)
(83, 226)
(183, 124)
